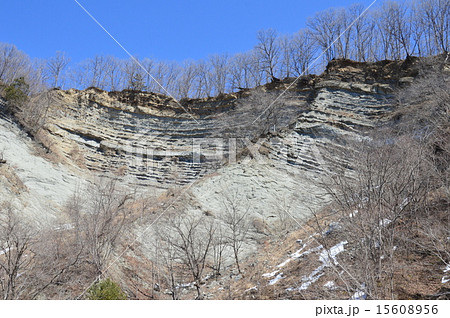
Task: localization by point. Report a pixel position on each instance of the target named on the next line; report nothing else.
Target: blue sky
(164, 30)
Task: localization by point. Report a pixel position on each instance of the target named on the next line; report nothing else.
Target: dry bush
(267, 109)
(389, 186)
(34, 260)
(393, 205)
(236, 224)
(34, 113)
(99, 217)
(185, 244)
(16, 238)
(424, 112)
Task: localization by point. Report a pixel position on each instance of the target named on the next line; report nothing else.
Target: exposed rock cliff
(150, 139)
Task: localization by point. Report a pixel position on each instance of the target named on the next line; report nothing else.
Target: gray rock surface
(36, 186)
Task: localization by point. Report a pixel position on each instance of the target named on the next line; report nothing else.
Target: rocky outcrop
(281, 175)
(151, 139)
(136, 135)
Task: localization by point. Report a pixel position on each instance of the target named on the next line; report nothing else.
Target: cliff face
(150, 139)
(152, 142)
(281, 173)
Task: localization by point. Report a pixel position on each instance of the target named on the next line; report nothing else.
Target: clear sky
(164, 30)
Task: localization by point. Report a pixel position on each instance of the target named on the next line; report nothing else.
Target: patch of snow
(404, 203)
(186, 285)
(276, 279)
(297, 254)
(385, 222)
(332, 252)
(64, 227)
(251, 288)
(360, 294)
(330, 284)
(446, 278)
(6, 250)
(325, 257)
(284, 263)
(270, 274)
(313, 277)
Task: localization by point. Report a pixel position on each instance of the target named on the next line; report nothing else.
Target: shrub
(106, 290)
(16, 94)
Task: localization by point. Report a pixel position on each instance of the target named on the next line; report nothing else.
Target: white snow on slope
(360, 294)
(445, 278)
(326, 256)
(330, 284)
(276, 279)
(270, 274)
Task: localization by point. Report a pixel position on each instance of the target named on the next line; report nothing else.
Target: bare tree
(302, 52)
(389, 186)
(114, 73)
(324, 28)
(55, 68)
(134, 74)
(34, 113)
(435, 14)
(147, 65)
(239, 72)
(362, 36)
(166, 74)
(189, 240)
(267, 108)
(100, 221)
(237, 224)
(246, 70)
(203, 85)
(13, 63)
(219, 245)
(186, 79)
(95, 72)
(268, 51)
(343, 25)
(286, 48)
(166, 258)
(16, 237)
(218, 73)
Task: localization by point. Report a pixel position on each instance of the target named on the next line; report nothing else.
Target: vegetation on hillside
(392, 30)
